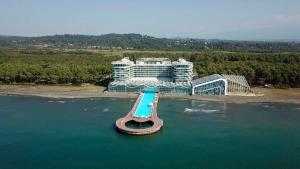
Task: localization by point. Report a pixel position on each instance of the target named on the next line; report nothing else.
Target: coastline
(91, 91)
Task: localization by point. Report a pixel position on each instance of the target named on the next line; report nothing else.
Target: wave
(266, 106)
(188, 110)
(209, 111)
(59, 101)
(191, 110)
(105, 109)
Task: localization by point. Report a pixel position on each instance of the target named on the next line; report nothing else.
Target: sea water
(80, 134)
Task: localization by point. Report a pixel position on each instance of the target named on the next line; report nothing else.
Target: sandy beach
(92, 91)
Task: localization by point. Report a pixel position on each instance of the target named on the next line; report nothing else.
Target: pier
(143, 112)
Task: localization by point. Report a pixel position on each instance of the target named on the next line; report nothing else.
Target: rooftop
(207, 79)
(125, 60)
(181, 61)
(153, 59)
(237, 79)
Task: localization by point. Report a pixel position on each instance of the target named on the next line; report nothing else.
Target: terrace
(142, 119)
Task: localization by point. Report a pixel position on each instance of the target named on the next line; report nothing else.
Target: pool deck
(157, 122)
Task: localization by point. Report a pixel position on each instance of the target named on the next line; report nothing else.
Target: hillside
(143, 42)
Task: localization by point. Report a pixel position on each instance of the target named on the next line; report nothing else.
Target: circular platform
(156, 123)
(121, 125)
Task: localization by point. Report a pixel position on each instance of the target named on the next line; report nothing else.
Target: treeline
(54, 67)
(143, 42)
(278, 69)
(78, 66)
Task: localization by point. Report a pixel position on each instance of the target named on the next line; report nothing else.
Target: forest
(144, 42)
(61, 66)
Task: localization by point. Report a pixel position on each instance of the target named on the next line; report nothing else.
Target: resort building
(172, 77)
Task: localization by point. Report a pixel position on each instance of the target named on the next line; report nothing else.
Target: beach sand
(92, 91)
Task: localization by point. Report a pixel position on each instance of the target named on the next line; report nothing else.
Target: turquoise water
(40, 133)
(143, 109)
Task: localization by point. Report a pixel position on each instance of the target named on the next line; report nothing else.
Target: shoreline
(90, 91)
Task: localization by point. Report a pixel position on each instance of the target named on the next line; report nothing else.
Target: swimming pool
(144, 108)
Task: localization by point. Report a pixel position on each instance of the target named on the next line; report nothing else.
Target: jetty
(142, 119)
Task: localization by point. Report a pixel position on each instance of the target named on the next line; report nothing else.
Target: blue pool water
(143, 110)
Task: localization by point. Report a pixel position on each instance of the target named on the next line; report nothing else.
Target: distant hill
(143, 42)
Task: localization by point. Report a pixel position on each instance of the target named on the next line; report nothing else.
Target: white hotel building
(172, 77)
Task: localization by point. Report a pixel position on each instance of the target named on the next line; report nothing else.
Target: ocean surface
(40, 133)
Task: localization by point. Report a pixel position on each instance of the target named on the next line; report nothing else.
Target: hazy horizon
(217, 19)
(175, 37)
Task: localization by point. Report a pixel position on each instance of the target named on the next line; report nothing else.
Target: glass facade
(167, 76)
(212, 88)
(153, 71)
(140, 88)
(179, 71)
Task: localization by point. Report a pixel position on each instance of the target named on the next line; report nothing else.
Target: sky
(206, 19)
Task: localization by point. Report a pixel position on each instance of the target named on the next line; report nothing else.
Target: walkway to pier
(130, 117)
